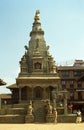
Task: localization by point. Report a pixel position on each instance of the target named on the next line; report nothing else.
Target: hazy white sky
(62, 21)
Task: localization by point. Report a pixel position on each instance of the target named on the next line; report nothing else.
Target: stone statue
(26, 47)
(30, 108)
(49, 116)
(29, 117)
(49, 108)
(48, 53)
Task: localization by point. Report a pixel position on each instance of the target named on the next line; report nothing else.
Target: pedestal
(29, 119)
(49, 118)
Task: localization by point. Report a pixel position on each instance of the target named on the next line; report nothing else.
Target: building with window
(72, 79)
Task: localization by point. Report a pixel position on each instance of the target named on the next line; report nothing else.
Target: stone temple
(34, 95)
(38, 76)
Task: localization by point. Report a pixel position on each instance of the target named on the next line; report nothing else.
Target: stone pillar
(0, 103)
(19, 94)
(65, 103)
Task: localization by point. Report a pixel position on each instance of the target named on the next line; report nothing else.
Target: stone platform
(12, 119)
(17, 113)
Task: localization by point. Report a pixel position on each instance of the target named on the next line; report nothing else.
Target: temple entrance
(38, 92)
(39, 111)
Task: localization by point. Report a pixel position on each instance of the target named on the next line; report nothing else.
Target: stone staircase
(16, 113)
(13, 113)
(39, 111)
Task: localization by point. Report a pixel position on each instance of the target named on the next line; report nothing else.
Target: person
(79, 116)
(55, 115)
(70, 107)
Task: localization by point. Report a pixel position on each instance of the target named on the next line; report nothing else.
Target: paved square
(59, 126)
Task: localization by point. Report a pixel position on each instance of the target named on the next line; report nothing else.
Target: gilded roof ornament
(37, 15)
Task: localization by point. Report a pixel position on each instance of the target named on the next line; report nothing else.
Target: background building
(72, 79)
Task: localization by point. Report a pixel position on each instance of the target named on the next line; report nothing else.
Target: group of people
(78, 118)
(53, 111)
(77, 112)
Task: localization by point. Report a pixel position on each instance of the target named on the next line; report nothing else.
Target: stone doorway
(38, 92)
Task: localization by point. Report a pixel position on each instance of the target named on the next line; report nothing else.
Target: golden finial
(37, 15)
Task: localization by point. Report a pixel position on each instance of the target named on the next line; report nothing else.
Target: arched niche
(38, 92)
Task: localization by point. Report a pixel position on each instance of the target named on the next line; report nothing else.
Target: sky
(61, 20)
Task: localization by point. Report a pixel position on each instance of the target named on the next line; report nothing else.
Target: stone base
(12, 119)
(49, 118)
(29, 119)
(69, 118)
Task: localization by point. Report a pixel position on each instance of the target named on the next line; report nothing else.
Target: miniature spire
(37, 15)
(2, 82)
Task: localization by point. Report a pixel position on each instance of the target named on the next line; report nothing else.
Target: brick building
(72, 79)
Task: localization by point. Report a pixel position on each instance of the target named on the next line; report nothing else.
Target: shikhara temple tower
(38, 75)
(37, 61)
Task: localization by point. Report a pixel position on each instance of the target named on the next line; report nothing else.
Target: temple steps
(20, 111)
(16, 113)
(13, 113)
(20, 105)
(12, 118)
(39, 111)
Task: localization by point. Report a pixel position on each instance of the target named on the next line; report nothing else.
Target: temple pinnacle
(36, 18)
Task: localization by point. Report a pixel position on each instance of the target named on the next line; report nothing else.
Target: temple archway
(38, 92)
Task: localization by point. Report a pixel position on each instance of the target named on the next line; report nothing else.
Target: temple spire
(36, 28)
(36, 18)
